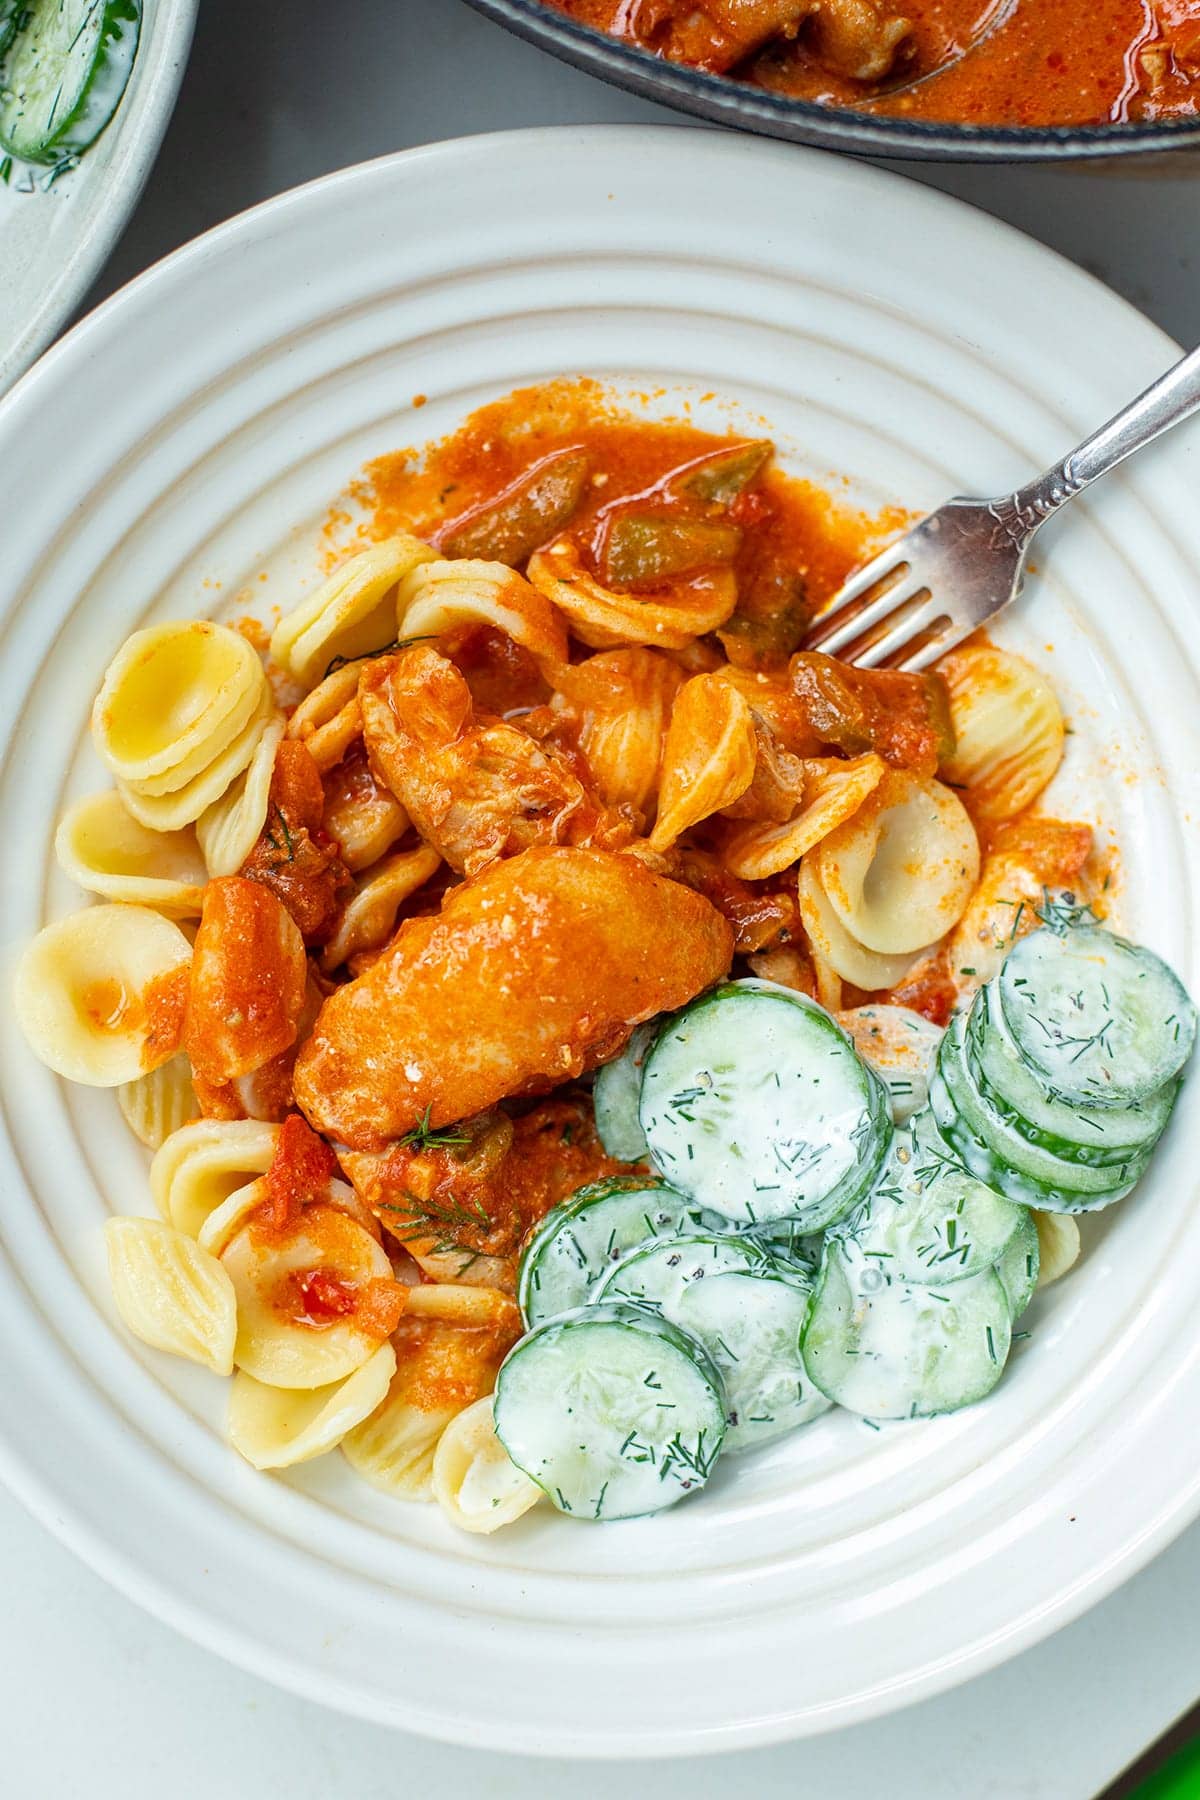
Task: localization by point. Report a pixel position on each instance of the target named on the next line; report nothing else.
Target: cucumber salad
(64, 66)
(813, 1233)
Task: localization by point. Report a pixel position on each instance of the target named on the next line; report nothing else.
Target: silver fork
(965, 562)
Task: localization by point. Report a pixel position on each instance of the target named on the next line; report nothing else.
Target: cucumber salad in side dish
(64, 67)
(847, 1213)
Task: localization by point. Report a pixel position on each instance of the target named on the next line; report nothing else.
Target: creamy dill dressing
(755, 1104)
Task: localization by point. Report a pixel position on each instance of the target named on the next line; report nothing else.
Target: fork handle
(1174, 397)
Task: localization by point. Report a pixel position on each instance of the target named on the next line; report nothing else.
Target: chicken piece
(462, 1201)
(294, 856)
(247, 986)
(476, 788)
(533, 972)
(858, 38)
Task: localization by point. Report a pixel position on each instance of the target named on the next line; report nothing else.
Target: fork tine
(889, 561)
(848, 624)
(938, 645)
(920, 611)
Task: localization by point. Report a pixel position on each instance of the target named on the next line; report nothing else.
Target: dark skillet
(777, 115)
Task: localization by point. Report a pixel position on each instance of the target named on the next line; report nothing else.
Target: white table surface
(97, 1695)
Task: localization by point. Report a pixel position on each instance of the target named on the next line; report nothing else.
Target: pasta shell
(200, 1165)
(170, 1293)
(102, 846)
(172, 698)
(708, 759)
(602, 618)
(441, 597)
(475, 1481)
(833, 793)
(328, 720)
(370, 917)
(350, 614)
(622, 730)
(228, 830)
(272, 1344)
(1008, 728)
(364, 817)
(88, 992)
(275, 1428)
(833, 946)
(900, 872)
(901, 1046)
(1002, 908)
(183, 806)
(458, 1303)
(1058, 1245)
(159, 1103)
(226, 1220)
(440, 1370)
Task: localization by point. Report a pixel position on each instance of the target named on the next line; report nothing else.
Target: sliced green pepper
(721, 478)
(641, 548)
(526, 515)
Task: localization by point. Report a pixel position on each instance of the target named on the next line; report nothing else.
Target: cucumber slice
(656, 1274)
(752, 1326)
(615, 1096)
(613, 1411)
(756, 1104)
(10, 12)
(747, 1312)
(787, 1244)
(63, 75)
(985, 1121)
(891, 1350)
(983, 1162)
(1069, 1128)
(1106, 1022)
(900, 1045)
(927, 1220)
(578, 1240)
(1018, 1268)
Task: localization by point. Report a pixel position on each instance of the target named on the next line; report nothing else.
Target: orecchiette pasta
(102, 847)
(602, 618)
(1001, 909)
(100, 994)
(158, 1103)
(328, 720)
(363, 816)
(183, 806)
(1058, 1245)
(833, 793)
(835, 950)
(199, 1166)
(173, 698)
(226, 1220)
(900, 872)
(277, 1342)
(440, 1370)
(228, 830)
(171, 1293)
(351, 613)
(275, 1428)
(475, 1482)
(1008, 728)
(442, 597)
(460, 1303)
(623, 700)
(900, 1046)
(708, 758)
(370, 917)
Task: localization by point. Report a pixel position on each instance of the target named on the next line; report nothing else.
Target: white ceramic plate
(883, 331)
(55, 240)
